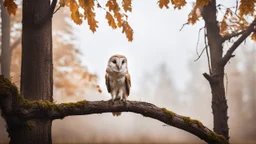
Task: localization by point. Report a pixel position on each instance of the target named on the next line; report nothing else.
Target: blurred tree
(166, 93)
(196, 90)
(234, 88)
(250, 92)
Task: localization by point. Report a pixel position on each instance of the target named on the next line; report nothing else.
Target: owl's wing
(127, 83)
(107, 82)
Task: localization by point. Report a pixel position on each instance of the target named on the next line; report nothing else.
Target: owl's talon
(124, 101)
(112, 101)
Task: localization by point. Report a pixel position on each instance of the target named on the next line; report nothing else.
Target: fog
(163, 72)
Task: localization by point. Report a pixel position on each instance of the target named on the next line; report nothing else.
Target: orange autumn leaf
(111, 20)
(223, 23)
(62, 3)
(75, 14)
(253, 37)
(111, 4)
(202, 3)
(11, 6)
(163, 3)
(67, 2)
(76, 17)
(178, 3)
(194, 15)
(246, 7)
(114, 14)
(127, 30)
(73, 6)
(127, 5)
(89, 14)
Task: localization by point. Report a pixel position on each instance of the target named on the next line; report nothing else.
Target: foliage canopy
(235, 18)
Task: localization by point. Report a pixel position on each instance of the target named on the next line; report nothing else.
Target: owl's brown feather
(127, 83)
(107, 82)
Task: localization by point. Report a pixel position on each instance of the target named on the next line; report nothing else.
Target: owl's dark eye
(114, 61)
(123, 61)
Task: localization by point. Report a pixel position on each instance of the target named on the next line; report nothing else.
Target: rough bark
(36, 71)
(6, 51)
(219, 102)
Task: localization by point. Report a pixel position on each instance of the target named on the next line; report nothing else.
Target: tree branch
(16, 109)
(59, 111)
(230, 51)
(48, 16)
(228, 37)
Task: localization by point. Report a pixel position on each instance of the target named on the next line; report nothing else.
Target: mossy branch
(26, 110)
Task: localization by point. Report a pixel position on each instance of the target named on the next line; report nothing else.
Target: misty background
(163, 72)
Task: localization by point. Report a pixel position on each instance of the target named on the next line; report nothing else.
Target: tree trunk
(219, 102)
(6, 51)
(5, 58)
(36, 70)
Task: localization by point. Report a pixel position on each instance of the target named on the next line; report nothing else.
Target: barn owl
(118, 79)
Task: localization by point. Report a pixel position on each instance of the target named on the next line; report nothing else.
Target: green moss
(7, 88)
(187, 120)
(192, 121)
(170, 113)
(216, 137)
(198, 123)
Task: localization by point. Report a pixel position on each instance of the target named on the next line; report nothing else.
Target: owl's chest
(117, 82)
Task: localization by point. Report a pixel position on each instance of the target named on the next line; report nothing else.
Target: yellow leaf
(163, 3)
(127, 5)
(111, 20)
(178, 3)
(127, 30)
(246, 7)
(11, 6)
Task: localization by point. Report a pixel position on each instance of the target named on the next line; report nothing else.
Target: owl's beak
(119, 65)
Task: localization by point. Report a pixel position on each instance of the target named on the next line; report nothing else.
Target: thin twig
(207, 52)
(198, 39)
(200, 54)
(57, 9)
(236, 6)
(183, 26)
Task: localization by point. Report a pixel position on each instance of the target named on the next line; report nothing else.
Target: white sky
(157, 39)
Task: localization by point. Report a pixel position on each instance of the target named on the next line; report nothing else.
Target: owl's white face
(118, 64)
